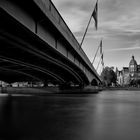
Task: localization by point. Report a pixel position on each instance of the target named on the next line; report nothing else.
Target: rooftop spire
(132, 56)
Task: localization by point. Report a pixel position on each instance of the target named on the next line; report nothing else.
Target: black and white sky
(119, 27)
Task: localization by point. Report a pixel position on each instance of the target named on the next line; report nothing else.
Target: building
(119, 76)
(128, 74)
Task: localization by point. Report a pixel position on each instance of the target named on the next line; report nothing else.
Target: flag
(101, 47)
(95, 15)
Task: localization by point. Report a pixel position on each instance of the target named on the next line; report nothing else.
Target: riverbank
(56, 90)
(48, 90)
(28, 90)
(122, 88)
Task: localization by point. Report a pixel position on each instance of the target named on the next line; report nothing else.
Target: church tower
(133, 68)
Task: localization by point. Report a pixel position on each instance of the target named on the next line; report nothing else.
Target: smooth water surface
(108, 115)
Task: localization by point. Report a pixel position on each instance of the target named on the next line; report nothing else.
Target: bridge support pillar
(65, 85)
(69, 85)
(45, 84)
(81, 85)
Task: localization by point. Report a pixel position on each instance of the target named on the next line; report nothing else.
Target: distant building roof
(132, 61)
(120, 72)
(125, 69)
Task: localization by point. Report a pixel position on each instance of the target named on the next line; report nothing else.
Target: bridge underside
(25, 57)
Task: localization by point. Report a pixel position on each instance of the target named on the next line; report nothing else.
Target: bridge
(37, 45)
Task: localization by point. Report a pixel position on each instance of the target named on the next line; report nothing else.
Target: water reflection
(118, 115)
(107, 115)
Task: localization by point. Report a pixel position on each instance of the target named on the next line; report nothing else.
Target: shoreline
(56, 90)
(47, 90)
(123, 88)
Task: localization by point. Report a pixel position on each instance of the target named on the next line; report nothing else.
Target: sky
(118, 27)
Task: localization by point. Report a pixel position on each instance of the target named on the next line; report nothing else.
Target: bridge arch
(94, 82)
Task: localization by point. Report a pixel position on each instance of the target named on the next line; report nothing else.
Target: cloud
(135, 46)
(120, 18)
(124, 49)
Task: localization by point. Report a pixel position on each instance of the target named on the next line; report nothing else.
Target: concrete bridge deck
(38, 45)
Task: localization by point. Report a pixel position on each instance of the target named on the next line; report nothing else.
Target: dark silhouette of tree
(135, 82)
(108, 76)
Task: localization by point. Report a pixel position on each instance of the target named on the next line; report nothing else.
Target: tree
(108, 76)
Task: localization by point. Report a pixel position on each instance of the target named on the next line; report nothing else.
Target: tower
(133, 68)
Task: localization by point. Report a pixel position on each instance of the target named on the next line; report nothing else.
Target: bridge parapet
(52, 13)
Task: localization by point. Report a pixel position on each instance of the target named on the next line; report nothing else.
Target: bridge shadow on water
(51, 117)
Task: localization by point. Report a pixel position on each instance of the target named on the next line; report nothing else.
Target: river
(108, 115)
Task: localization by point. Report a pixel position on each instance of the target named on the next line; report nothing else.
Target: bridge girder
(15, 49)
(26, 42)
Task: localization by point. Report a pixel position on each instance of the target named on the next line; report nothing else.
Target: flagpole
(88, 25)
(98, 64)
(101, 62)
(85, 33)
(100, 46)
(95, 54)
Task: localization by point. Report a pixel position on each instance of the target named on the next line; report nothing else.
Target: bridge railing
(50, 11)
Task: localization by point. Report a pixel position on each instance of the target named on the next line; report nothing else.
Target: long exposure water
(108, 115)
